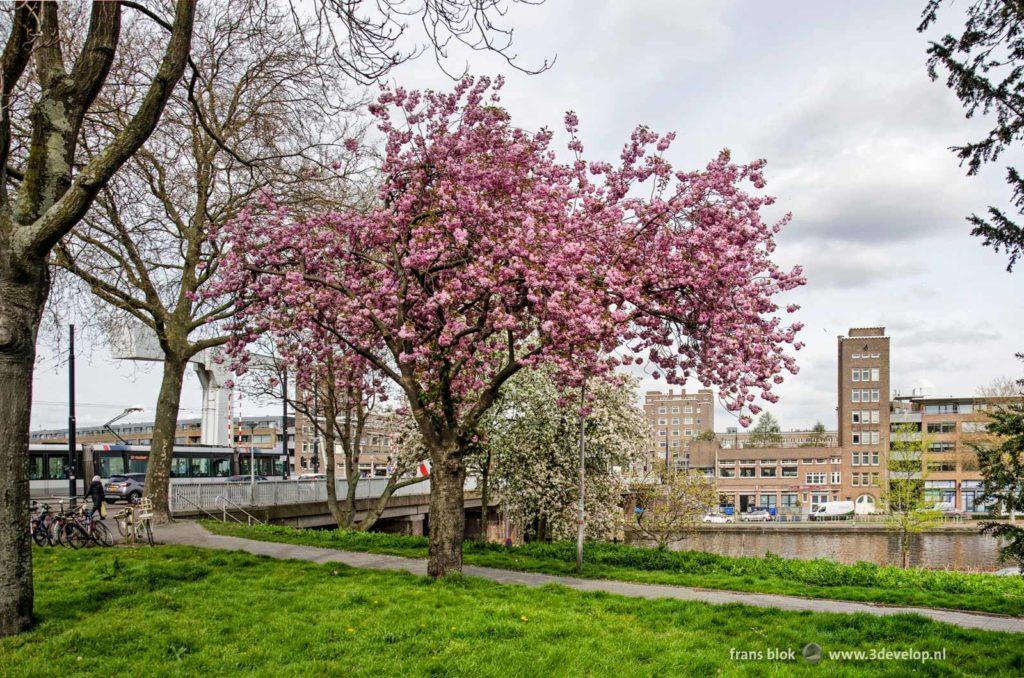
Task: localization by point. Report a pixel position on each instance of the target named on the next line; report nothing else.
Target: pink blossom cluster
(486, 253)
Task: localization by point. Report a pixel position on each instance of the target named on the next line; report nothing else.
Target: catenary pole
(581, 518)
(72, 470)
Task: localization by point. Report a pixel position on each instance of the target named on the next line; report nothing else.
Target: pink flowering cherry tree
(486, 254)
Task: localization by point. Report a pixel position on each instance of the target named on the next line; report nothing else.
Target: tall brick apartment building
(851, 464)
(676, 420)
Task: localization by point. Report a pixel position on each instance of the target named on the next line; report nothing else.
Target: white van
(832, 510)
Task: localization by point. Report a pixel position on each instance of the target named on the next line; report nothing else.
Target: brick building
(377, 446)
(852, 464)
(676, 420)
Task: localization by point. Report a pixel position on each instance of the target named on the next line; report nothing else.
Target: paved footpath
(192, 534)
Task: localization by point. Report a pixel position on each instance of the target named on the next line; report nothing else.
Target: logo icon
(812, 652)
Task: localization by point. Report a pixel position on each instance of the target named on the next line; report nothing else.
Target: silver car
(126, 487)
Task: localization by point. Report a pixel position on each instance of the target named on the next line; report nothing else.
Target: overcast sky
(835, 96)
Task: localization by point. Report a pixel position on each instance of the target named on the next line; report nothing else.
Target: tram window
(35, 468)
(56, 467)
(199, 467)
(179, 467)
(137, 463)
(111, 465)
(221, 468)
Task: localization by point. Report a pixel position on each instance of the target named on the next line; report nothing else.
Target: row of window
(858, 356)
(865, 395)
(675, 421)
(865, 459)
(865, 416)
(864, 438)
(675, 432)
(864, 479)
(865, 374)
(687, 409)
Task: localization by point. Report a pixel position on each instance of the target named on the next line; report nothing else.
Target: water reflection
(942, 550)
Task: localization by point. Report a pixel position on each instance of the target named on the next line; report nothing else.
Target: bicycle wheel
(143, 532)
(100, 534)
(57, 530)
(75, 535)
(40, 535)
(122, 524)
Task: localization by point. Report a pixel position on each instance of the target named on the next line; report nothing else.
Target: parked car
(243, 478)
(313, 476)
(947, 508)
(717, 518)
(832, 510)
(124, 487)
(757, 515)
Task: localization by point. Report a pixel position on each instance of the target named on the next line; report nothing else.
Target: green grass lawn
(771, 574)
(186, 611)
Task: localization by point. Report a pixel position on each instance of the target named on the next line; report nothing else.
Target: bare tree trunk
(447, 514)
(165, 425)
(22, 296)
(342, 518)
(905, 550)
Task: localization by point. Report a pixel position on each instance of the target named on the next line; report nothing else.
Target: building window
(856, 374)
(726, 472)
(874, 395)
(789, 472)
(815, 478)
(836, 478)
(874, 374)
(768, 471)
(856, 395)
(688, 409)
(675, 410)
(675, 421)
(942, 427)
(747, 472)
(855, 480)
(856, 459)
(661, 410)
(856, 416)
(662, 422)
(856, 438)
(973, 427)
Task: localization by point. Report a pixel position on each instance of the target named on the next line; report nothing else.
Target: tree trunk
(165, 425)
(22, 296)
(447, 514)
(341, 518)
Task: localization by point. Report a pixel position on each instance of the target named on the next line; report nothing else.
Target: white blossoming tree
(529, 454)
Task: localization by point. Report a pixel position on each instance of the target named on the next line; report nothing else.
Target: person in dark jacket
(95, 493)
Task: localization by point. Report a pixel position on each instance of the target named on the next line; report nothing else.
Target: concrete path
(192, 534)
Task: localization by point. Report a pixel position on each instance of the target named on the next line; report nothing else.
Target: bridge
(303, 503)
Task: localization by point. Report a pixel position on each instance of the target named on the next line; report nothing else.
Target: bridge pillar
(413, 525)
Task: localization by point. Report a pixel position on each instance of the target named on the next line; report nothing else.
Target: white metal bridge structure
(302, 503)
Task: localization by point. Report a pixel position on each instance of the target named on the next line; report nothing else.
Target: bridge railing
(185, 497)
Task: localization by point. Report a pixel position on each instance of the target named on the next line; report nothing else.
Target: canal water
(968, 551)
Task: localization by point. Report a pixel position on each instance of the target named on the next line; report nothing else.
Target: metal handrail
(223, 501)
(186, 499)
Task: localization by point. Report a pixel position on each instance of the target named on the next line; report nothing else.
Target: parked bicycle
(93, 526)
(39, 525)
(133, 522)
(66, 531)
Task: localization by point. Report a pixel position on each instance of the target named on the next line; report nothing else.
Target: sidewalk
(192, 534)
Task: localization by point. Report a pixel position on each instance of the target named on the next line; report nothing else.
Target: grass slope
(771, 574)
(181, 611)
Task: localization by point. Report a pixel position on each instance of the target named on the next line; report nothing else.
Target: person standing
(96, 494)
